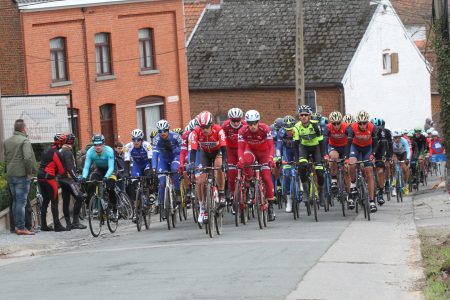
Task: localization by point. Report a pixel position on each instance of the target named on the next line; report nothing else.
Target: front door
(107, 123)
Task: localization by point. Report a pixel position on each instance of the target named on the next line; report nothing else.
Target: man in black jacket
(69, 185)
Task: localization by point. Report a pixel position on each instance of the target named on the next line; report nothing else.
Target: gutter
(275, 87)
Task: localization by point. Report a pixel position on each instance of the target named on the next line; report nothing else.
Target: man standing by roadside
(20, 163)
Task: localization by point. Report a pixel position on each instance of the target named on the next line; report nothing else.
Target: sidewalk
(379, 259)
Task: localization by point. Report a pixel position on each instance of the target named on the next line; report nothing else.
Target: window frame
(99, 49)
(390, 62)
(313, 108)
(142, 45)
(55, 64)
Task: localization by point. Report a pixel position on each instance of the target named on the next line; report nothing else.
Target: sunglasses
(363, 123)
(252, 123)
(236, 120)
(336, 123)
(163, 131)
(304, 115)
(136, 140)
(205, 127)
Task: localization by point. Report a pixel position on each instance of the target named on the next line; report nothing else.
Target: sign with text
(44, 115)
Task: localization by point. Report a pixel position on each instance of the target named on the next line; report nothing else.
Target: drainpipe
(86, 70)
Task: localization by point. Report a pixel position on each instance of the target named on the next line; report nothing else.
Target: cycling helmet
(434, 133)
(323, 121)
(335, 117)
(205, 118)
(59, 139)
(235, 113)
(383, 123)
(70, 139)
(178, 130)
(316, 116)
(376, 122)
(278, 123)
(396, 133)
(137, 134)
(192, 124)
(348, 119)
(252, 116)
(162, 125)
(98, 139)
(405, 131)
(304, 109)
(362, 116)
(288, 122)
(153, 134)
(417, 129)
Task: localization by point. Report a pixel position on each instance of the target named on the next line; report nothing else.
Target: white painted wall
(402, 99)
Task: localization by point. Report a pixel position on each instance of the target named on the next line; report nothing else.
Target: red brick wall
(12, 70)
(123, 23)
(435, 104)
(271, 103)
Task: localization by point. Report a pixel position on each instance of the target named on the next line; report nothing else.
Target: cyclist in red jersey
(362, 144)
(231, 129)
(51, 166)
(184, 154)
(336, 139)
(209, 139)
(255, 143)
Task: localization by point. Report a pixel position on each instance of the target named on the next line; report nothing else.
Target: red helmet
(70, 139)
(59, 139)
(205, 118)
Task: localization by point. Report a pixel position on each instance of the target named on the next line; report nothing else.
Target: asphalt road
(243, 263)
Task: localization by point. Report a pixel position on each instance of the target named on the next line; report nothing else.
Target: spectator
(20, 163)
(428, 124)
(120, 164)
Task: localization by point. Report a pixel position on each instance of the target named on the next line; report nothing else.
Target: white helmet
(235, 113)
(396, 133)
(192, 124)
(335, 116)
(435, 133)
(405, 131)
(252, 116)
(162, 125)
(137, 134)
(362, 116)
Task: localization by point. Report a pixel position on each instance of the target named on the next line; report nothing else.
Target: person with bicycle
(383, 156)
(69, 185)
(361, 146)
(335, 140)
(152, 136)
(437, 152)
(255, 143)
(308, 141)
(166, 156)
(231, 129)
(209, 139)
(422, 149)
(185, 159)
(349, 119)
(138, 152)
(284, 153)
(275, 128)
(102, 156)
(401, 152)
(51, 166)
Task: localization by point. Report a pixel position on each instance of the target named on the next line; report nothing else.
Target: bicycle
(170, 206)
(327, 188)
(363, 191)
(399, 184)
(37, 201)
(259, 200)
(313, 191)
(143, 203)
(240, 205)
(295, 188)
(341, 194)
(100, 210)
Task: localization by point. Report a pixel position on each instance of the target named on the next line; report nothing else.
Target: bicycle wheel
(167, 208)
(112, 226)
(365, 195)
(139, 210)
(147, 215)
(236, 203)
(174, 209)
(259, 205)
(95, 216)
(218, 219)
(343, 200)
(211, 211)
(313, 199)
(124, 206)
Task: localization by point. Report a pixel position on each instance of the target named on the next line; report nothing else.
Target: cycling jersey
(335, 138)
(384, 144)
(260, 140)
(140, 156)
(184, 147)
(311, 135)
(421, 142)
(362, 138)
(401, 147)
(284, 144)
(51, 164)
(167, 148)
(231, 133)
(103, 160)
(436, 146)
(210, 143)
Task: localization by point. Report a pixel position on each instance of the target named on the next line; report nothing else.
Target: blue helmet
(98, 139)
(278, 123)
(377, 122)
(323, 121)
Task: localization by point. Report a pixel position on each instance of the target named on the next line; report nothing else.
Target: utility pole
(299, 56)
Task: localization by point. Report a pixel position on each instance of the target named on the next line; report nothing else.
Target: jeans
(19, 188)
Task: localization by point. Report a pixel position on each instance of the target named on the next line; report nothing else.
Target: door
(107, 123)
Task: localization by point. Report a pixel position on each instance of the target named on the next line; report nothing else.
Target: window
(390, 63)
(58, 59)
(103, 54)
(149, 111)
(76, 125)
(310, 99)
(146, 49)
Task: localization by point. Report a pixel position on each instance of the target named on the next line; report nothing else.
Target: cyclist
(362, 144)
(284, 152)
(152, 136)
(231, 129)
(166, 156)
(138, 152)
(51, 165)
(255, 143)
(179, 131)
(437, 151)
(335, 140)
(382, 156)
(348, 119)
(276, 127)
(102, 156)
(422, 148)
(308, 140)
(69, 186)
(209, 139)
(401, 152)
(317, 116)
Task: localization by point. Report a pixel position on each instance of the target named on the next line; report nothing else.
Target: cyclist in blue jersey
(166, 156)
(283, 151)
(138, 152)
(401, 152)
(275, 128)
(103, 158)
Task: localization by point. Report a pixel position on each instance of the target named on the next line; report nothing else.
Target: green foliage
(4, 196)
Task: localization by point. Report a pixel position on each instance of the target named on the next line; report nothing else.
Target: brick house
(242, 53)
(124, 60)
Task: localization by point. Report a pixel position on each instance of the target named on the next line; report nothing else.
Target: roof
(192, 13)
(251, 43)
(36, 5)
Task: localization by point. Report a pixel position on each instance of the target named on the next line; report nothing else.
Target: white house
(388, 76)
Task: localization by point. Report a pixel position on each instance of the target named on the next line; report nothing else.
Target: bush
(4, 195)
